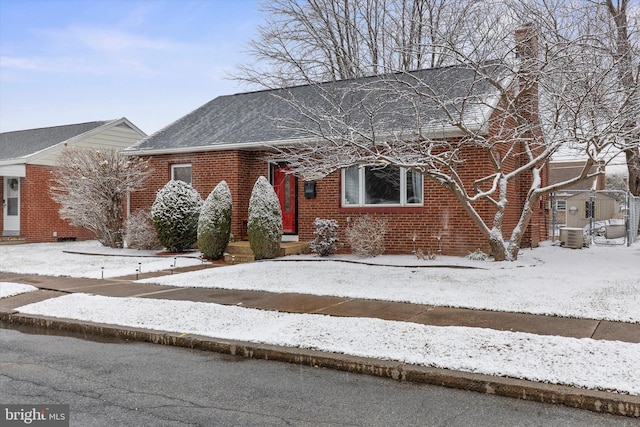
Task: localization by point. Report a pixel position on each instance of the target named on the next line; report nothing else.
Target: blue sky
(152, 61)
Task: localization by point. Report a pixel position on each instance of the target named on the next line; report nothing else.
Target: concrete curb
(592, 400)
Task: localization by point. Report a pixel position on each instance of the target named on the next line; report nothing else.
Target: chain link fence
(634, 218)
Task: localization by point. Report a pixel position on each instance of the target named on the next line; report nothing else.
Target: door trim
(294, 188)
(11, 222)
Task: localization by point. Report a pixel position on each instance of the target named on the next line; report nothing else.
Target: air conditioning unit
(571, 237)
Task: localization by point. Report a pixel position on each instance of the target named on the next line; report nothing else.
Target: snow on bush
(326, 240)
(265, 220)
(477, 255)
(175, 215)
(139, 231)
(214, 224)
(366, 236)
(91, 187)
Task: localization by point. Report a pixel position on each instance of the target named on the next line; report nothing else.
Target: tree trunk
(624, 57)
(498, 249)
(633, 166)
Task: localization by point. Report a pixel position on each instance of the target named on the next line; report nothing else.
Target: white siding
(119, 137)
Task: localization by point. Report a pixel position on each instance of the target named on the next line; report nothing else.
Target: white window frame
(361, 191)
(181, 165)
(561, 205)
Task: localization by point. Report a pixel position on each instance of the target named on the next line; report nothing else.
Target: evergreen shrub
(265, 220)
(214, 224)
(175, 215)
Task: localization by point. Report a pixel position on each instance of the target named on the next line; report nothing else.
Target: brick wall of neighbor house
(1, 198)
(39, 217)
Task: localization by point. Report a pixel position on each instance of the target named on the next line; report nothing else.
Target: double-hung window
(181, 172)
(381, 186)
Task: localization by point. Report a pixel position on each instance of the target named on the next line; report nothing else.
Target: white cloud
(105, 40)
(19, 63)
(95, 51)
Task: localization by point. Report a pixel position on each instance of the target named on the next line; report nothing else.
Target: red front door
(284, 183)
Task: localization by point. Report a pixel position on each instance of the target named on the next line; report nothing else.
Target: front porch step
(12, 240)
(238, 252)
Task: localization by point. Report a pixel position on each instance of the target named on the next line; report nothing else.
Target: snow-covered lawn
(54, 259)
(595, 282)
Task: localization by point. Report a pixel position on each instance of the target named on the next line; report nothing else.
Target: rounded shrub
(140, 232)
(265, 220)
(175, 215)
(326, 240)
(214, 224)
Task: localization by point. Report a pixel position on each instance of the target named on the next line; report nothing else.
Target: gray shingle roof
(21, 143)
(396, 102)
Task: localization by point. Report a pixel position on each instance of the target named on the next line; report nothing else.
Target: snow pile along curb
(582, 363)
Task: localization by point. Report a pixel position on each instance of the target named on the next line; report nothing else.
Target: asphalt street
(127, 383)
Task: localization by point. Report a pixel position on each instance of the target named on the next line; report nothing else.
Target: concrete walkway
(50, 287)
(333, 306)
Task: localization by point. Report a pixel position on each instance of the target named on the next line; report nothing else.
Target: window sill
(381, 209)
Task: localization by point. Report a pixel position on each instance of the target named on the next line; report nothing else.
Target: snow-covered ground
(8, 289)
(596, 282)
(55, 259)
(591, 283)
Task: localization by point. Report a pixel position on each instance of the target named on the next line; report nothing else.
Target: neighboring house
(563, 171)
(27, 158)
(582, 206)
(227, 138)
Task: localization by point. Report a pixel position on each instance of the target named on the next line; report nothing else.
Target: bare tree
(91, 187)
(319, 40)
(553, 87)
(626, 55)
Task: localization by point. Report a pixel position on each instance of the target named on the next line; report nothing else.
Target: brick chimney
(526, 114)
(527, 51)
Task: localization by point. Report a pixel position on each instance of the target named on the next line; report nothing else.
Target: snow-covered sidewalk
(594, 285)
(596, 282)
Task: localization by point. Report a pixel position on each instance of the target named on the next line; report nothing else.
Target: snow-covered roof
(415, 101)
(21, 143)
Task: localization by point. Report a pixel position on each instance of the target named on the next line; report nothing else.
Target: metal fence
(605, 217)
(634, 218)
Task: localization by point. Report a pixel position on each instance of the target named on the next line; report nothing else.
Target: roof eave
(16, 161)
(435, 132)
(262, 145)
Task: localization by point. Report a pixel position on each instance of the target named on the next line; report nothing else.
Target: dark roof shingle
(393, 101)
(21, 143)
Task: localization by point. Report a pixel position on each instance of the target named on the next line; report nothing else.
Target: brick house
(228, 138)
(27, 158)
